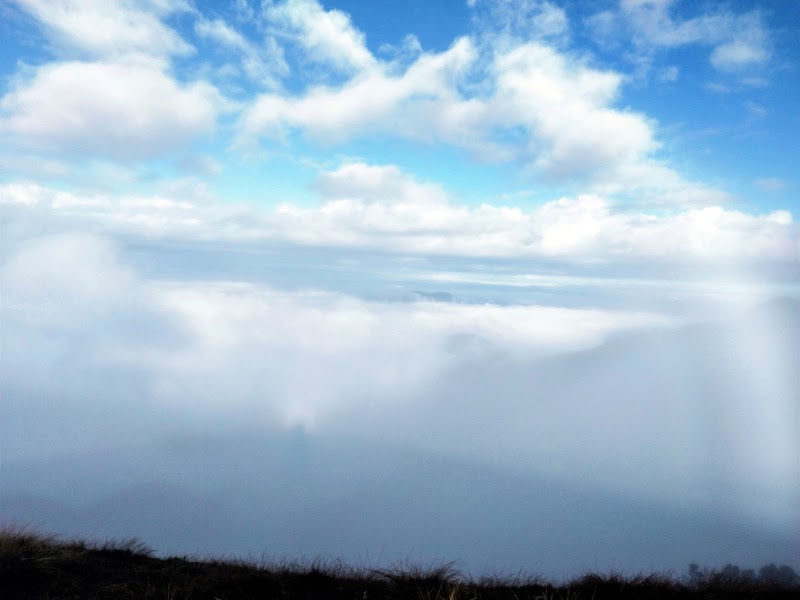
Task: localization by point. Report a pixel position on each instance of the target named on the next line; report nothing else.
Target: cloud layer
(382, 208)
(99, 359)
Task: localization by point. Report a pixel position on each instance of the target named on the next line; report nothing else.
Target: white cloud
(551, 20)
(121, 110)
(221, 32)
(604, 26)
(522, 20)
(110, 28)
(718, 233)
(500, 98)
(380, 184)
(564, 109)
(567, 110)
(382, 208)
(77, 317)
(304, 355)
(214, 381)
(551, 113)
(33, 166)
(738, 40)
(328, 36)
(440, 378)
(265, 65)
(25, 193)
(653, 23)
(651, 182)
(65, 280)
(408, 105)
(737, 55)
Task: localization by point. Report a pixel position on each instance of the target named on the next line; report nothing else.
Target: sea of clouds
(383, 408)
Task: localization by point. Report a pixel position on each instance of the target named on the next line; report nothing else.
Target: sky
(302, 262)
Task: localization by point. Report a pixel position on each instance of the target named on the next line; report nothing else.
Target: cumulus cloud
(567, 109)
(418, 104)
(328, 36)
(382, 208)
(500, 95)
(108, 29)
(551, 113)
(414, 217)
(122, 110)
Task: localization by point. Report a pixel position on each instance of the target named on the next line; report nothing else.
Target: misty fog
(542, 427)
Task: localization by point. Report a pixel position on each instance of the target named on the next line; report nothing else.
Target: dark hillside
(34, 566)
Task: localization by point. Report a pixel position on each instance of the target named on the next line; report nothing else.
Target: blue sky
(551, 244)
(654, 108)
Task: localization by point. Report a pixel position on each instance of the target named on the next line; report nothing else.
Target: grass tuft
(36, 566)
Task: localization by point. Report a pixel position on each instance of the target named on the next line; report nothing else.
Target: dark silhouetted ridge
(35, 566)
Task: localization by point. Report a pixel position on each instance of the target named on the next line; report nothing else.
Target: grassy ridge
(36, 566)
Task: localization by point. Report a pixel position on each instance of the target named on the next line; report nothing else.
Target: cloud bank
(105, 363)
(379, 207)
